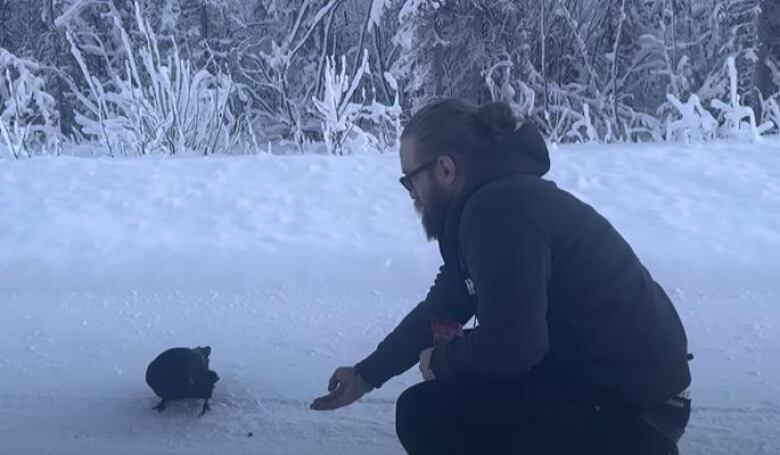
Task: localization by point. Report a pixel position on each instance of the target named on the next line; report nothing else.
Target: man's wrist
(358, 371)
(365, 385)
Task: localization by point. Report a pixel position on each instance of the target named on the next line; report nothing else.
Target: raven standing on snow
(180, 373)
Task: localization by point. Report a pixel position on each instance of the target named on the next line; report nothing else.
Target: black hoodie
(555, 288)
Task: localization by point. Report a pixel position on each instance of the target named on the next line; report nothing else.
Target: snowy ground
(291, 266)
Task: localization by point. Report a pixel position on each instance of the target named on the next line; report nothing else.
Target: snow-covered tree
(768, 71)
(741, 43)
(739, 121)
(29, 120)
(695, 124)
(338, 110)
(157, 104)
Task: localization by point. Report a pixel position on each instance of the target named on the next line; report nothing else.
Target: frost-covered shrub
(29, 122)
(156, 105)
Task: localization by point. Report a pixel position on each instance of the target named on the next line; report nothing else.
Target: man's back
(610, 324)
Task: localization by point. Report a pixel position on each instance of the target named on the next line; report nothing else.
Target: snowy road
(78, 374)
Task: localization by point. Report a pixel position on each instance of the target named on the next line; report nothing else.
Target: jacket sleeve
(508, 259)
(400, 350)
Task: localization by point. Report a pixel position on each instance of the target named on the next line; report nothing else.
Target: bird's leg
(161, 406)
(206, 407)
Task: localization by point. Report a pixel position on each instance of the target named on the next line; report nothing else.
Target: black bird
(181, 373)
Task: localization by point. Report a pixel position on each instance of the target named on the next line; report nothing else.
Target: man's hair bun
(495, 120)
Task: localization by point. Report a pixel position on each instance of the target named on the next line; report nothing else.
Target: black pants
(480, 416)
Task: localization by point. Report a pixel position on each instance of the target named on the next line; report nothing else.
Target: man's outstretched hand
(345, 388)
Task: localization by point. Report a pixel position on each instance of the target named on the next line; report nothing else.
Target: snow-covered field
(291, 266)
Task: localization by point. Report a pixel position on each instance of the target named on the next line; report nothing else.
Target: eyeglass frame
(406, 179)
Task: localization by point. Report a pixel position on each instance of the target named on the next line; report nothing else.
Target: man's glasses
(406, 179)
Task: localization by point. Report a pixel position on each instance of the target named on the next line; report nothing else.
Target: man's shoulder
(515, 194)
(507, 202)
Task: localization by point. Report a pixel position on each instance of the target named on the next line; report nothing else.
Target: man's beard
(434, 214)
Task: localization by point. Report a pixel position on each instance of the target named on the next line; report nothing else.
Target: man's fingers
(333, 383)
(326, 403)
(342, 388)
(321, 403)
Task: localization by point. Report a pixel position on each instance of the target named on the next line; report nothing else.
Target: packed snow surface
(289, 266)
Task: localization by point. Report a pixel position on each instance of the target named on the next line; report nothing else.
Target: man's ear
(447, 169)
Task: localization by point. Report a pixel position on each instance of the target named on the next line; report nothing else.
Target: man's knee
(413, 416)
(409, 408)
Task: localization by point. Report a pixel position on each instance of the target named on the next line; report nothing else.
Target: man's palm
(345, 388)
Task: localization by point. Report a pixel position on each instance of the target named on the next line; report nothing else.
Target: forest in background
(341, 76)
